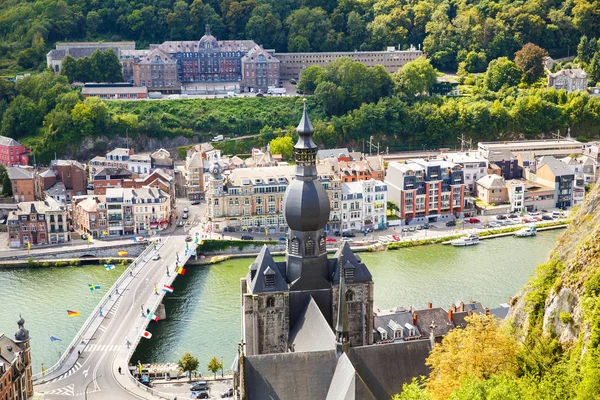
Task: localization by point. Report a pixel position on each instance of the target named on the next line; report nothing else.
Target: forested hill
(447, 30)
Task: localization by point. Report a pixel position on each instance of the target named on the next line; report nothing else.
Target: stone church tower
(282, 300)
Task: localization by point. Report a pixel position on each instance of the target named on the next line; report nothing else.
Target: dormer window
(270, 280)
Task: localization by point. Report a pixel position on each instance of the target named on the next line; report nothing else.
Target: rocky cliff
(561, 297)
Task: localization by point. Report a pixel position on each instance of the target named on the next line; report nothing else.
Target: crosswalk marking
(63, 391)
(102, 328)
(103, 348)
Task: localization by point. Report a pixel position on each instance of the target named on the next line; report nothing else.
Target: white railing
(79, 336)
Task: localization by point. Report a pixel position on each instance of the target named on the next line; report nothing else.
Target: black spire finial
(207, 30)
(305, 127)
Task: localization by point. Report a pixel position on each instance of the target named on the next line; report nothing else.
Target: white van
(231, 94)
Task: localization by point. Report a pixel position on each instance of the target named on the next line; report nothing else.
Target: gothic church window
(270, 302)
(322, 244)
(309, 248)
(349, 295)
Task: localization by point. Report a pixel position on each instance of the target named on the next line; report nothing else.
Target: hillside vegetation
(548, 348)
(450, 32)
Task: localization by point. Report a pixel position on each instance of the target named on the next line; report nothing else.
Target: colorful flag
(43, 370)
(73, 313)
(105, 233)
(97, 287)
(147, 335)
(54, 339)
(181, 271)
(168, 289)
(109, 267)
(153, 317)
(91, 287)
(89, 239)
(122, 253)
(28, 245)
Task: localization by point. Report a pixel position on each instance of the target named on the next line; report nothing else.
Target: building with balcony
(474, 167)
(364, 205)
(38, 223)
(132, 211)
(552, 173)
(110, 177)
(426, 191)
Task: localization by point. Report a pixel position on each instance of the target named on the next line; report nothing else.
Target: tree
(111, 70)
(530, 59)
(475, 62)
(21, 118)
(68, 68)
(331, 97)
(415, 78)
(282, 145)
(502, 73)
(413, 391)
(6, 185)
(215, 365)
(392, 206)
(593, 70)
(310, 78)
(482, 349)
(188, 364)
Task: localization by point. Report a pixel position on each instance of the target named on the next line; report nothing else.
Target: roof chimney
(429, 305)
(450, 313)
(415, 320)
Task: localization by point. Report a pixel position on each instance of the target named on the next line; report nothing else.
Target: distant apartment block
(426, 191)
(551, 147)
(292, 64)
(13, 153)
(114, 91)
(364, 205)
(137, 211)
(82, 49)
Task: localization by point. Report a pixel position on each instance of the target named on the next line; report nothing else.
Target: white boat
(526, 232)
(469, 240)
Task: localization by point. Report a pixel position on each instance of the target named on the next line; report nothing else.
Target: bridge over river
(117, 319)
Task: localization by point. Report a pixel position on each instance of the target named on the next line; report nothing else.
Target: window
(294, 245)
(270, 280)
(309, 247)
(349, 295)
(270, 302)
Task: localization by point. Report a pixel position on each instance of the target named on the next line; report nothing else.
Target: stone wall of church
(266, 322)
(360, 311)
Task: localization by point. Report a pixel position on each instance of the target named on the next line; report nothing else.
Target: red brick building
(12, 152)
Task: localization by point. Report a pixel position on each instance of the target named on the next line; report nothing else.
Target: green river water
(204, 310)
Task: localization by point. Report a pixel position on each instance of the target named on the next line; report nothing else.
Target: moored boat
(528, 231)
(468, 240)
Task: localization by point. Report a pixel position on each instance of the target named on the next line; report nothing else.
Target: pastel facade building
(13, 153)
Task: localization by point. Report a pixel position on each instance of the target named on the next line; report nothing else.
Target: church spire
(207, 30)
(341, 328)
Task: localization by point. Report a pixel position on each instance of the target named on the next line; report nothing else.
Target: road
(105, 351)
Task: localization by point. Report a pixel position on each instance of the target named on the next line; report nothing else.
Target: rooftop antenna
(463, 141)
(557, 135)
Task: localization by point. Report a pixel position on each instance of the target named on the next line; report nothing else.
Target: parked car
(203, 394)
(405, 229)
(247, 237)
(345, 239)
(547, 217)
(474, 220)
(451, 223)
(180, 224)
(188, 238)
(500, 217)
(337, 233)
(331, 240)
(426, 225)
(419, 227)
(411, 229)
(227, 392)
(184, 216)
(526, 220)
(282, 238)
(348, 235)
(185, 209)
(195, 203)
(534, 213)
(156, 257)
(260, 95)
(513, 216)
(199, 385)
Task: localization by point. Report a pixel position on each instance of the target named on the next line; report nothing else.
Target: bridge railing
(76, 340)
(138, 337)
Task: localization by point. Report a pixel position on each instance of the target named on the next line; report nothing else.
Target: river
(204, 311)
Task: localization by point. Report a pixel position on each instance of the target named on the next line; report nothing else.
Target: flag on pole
(43, 370)
(97, 287)
(181, 271)
(152, 317)
(73, 313)
(89, 238)
(28, 246)
(91, 287)
(147, 335)
(54, 339)
(168, 289)
(122, 253)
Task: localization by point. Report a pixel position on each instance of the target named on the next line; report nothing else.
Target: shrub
(566, 318)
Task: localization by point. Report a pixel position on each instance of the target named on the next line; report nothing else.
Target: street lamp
(88, 385)
(222, 366)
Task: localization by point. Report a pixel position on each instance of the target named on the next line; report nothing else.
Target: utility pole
(463, 141)
(371, 145)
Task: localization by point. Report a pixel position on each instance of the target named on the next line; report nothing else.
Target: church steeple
(207, 30)
(341, 328)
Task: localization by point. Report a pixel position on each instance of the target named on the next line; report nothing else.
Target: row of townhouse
(251, 199)
(39, 223)
(125, 159)
(122, 211)
(62, 180)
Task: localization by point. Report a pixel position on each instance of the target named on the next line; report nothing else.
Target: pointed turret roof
(305, 127)
(351, 260)
(267, 277)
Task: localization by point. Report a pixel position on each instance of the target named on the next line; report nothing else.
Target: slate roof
(113, 173)
(401, 318)
(439, 316)
(47, 174)
(351, 260)
(18, 173)
(5, 354)
(6, 141)
(266, 266)
(312, 331)
(492, 181)
(557, 167)
(500, 312)
(269, 376)
(496, 155)
(332, 153)
(57, 189)
(347, 384)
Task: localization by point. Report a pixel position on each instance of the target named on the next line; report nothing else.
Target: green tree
(111, 70)
(413, 391)
(593, 70)
(265, 28)
(188, 364)
(530, 59)
(475, 62)
(6, 185)
(282, 145)
(310, 78)
(331, 97)
(68, 68)
(21, 118)
(311, 24)
(502, 73)
(215, 365)
(415, 78)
